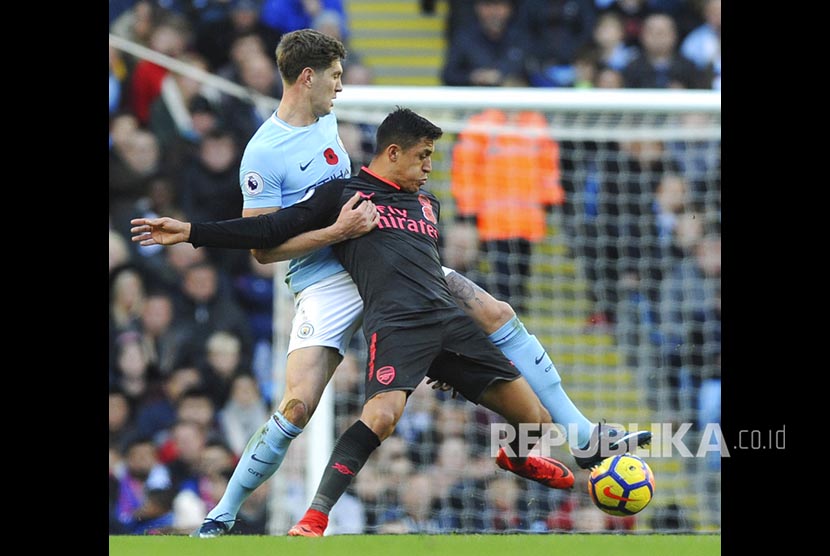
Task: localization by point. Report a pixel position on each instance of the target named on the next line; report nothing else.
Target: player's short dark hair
(307, 48)
(405, 128)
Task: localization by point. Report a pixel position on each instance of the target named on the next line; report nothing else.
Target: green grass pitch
(418, 545)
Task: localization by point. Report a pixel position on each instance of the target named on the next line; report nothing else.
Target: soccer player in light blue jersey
(294, 151)
(283, 161)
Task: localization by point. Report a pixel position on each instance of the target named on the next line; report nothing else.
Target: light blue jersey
(280, 164)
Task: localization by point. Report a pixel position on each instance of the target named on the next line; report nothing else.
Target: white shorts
(326, 314)
(446, 271)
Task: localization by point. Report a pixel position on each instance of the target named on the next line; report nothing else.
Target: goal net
(596, 215)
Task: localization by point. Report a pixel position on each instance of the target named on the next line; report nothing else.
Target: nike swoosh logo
(565, 470)
(302, 531)
(607, 492)
(302, 168)
(253, 457)
(538, 359)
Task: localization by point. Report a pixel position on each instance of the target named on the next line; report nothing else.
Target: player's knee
(296, 411)
(496, 314)
(381, 420)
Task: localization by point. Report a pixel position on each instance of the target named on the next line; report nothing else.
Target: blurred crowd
(584, 43)
(190, 330)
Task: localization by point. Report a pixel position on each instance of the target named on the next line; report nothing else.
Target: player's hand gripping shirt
(396, 266)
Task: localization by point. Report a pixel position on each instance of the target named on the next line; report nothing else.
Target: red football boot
(313, 524)
(547, 471)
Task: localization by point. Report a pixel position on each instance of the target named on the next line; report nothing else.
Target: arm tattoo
(464, 290)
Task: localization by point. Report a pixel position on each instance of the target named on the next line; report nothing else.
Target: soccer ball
(621, 485)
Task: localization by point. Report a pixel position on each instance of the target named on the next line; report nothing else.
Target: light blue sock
(261, 458)
(533, 362)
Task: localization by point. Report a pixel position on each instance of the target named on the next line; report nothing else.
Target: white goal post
(529, 98)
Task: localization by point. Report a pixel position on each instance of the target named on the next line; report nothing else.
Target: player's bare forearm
(297, 246)
(159, 231)
(355, 219)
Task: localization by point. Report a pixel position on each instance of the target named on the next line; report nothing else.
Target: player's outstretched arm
(265, 230)
(159, 231)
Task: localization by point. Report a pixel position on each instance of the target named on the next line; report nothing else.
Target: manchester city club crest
(305, 330)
